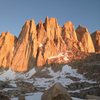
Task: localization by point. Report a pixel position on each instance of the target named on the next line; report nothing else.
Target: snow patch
(74, 98)
(57, 56)
(31, 96)
(11, 75)
(61, 76)
(8, 75)
(65, 58)
(41, 45)
(35, 96)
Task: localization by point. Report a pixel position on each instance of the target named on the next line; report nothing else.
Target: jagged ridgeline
(46, 43)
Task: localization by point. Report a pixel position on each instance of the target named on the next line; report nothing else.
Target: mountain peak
(82, 29)
(84, 37)
(96, 40)
(45, 43)
(7, 44)
(69, 31)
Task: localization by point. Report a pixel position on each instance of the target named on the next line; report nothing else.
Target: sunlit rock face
(69, 36)
(85, 39)
(7, 46)
(96, 40)
(45, 43)
(52, 42)
(26, 48)
(69, 31)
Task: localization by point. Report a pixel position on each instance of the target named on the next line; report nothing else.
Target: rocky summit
(96, 40)
(46, 43)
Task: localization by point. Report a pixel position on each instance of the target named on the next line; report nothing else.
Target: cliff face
(7, 46)
(52, 42)
(45, 43)
(85, 39)
(24, 54)
(69, 31)
(69, 36)
(96, 40)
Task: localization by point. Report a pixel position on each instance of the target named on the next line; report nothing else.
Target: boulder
(3, 97)
(21, 97)
(56, 92)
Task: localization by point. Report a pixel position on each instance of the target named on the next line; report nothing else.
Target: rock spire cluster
(38, 44)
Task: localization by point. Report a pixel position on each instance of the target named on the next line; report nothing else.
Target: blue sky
(14, 13)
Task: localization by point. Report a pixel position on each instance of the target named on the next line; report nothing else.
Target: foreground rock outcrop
(46, 43)
(3, 97)
(56, 92)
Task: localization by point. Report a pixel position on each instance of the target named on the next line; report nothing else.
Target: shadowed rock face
(96, 40)
(37, 43)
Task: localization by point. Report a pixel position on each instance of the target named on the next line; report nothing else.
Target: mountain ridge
(46, 43)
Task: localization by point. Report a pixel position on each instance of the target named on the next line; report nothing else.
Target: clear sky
(14, 13)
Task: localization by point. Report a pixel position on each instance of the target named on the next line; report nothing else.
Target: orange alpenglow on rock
(7, 45)
(52, 42)
(84, 37)
(26, 48)
(69, 31)
(39, 43)
(96, 40)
